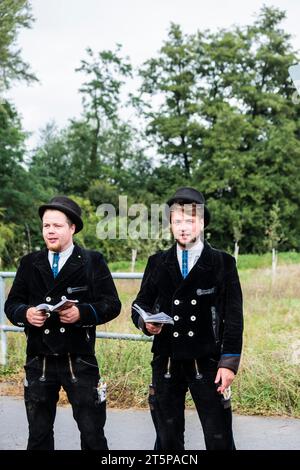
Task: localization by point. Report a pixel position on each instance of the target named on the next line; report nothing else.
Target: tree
(125, 163)
(97, 150)
(14, 15)
(251, 148)
(101, 97)
(218, 112)
(17, 190)
(171, 81)
(6, 235)
(218, 106)
(50, 163)
(96, 146)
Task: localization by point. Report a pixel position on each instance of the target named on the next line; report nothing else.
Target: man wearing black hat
(199, 287)
(61, 345)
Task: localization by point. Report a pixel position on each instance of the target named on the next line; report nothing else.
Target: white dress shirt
(63, 256)
(194, 254)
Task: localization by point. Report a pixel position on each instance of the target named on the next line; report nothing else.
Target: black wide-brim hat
(188, 195)
(67, 206)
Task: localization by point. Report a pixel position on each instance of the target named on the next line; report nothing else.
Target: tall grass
(251, 261)
(269, 378)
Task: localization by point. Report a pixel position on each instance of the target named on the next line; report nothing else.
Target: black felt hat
(188, 195)
(67, 206)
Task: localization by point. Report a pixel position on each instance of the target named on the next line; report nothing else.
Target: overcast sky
(65, 28)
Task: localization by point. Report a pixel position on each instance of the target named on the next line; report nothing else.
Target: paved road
(133, 429)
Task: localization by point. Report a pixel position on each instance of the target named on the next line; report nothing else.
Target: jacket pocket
(71, 290)
(206, 291)
(215, 320)
(89, 362)
(31, 361)
(86, 366)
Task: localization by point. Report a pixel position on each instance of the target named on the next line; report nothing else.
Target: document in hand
(160, 317)
(62, 305)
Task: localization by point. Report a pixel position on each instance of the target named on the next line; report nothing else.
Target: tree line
(212, 110)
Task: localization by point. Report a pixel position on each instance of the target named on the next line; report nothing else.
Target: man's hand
(36, 317)
(153, 328)
(69, 315)
(225, 377)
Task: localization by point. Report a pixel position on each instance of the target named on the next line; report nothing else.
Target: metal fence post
(2, 322)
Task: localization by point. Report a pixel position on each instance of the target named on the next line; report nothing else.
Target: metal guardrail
(4, 328)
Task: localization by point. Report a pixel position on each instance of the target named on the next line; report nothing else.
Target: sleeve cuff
(230, 361)
(142, 327)
(20, 315)
(88, 315)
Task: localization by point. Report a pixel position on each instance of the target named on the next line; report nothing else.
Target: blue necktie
(55, 264)
(185, 268)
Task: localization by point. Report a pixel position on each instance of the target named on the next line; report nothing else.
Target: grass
(125, 266)
(268, 382)
(269, 379)
(265, 260)
(245, 262)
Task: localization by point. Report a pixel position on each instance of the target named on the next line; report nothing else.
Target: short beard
(57, 248)
(184, 245)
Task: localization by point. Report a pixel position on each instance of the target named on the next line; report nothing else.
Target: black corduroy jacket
(206, 306)
(85, 277)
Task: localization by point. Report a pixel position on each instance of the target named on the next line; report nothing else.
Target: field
(268, 382)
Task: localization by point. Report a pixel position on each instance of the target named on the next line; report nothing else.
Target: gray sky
(64, 28)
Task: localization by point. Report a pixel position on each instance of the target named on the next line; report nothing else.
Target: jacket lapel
(75, 262)
(172, 266)
(206, 260)
(203, 266)
(43, 266)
